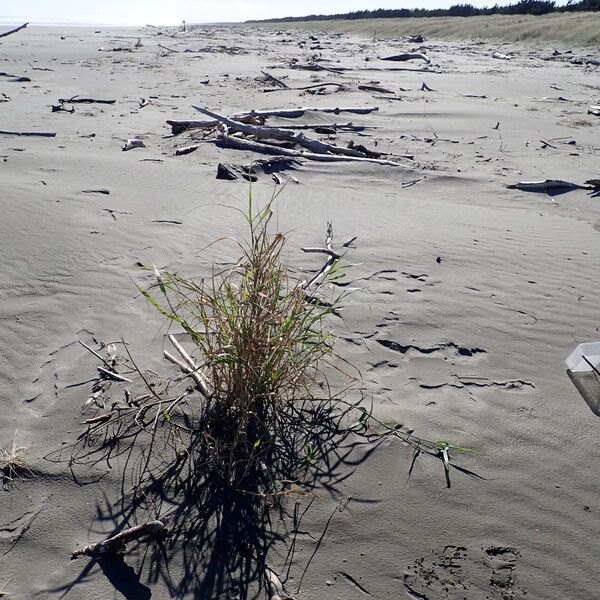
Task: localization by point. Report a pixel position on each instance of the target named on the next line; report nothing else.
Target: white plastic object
(591, 351)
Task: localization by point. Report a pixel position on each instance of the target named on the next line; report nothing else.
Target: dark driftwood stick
(296, 113)
(28, 133)
(274, 79)
(407, 56)
(14, 30)
(78, 100)
(117, 542)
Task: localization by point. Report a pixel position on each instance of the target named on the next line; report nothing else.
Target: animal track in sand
(446, 349)
(466, 382)
(438, 577)
(451, 574)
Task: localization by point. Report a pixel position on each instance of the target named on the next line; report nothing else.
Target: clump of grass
(260, 340)
(12, 462)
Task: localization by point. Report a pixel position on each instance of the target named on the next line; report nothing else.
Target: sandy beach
(467, 296)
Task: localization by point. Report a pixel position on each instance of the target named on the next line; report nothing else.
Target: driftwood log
(28, 133)
(296, 113)
(276, 133)
(235, 143)
(117, 543)
(547, 185)
(179, 126)
(407, 56)
(14, 30)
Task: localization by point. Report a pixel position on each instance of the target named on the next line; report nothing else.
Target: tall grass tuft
(259, 343)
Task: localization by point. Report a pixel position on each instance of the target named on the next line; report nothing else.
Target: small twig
(117, 542)
(113, 375)
(96, 354)
(200, 380)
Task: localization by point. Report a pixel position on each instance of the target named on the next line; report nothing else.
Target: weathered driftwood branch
(375, 88)
(275, 80)
(117, 543)
(28, 133)
(277, 133)
(112, 375)
(407, 56)
(547, 185)
(78, 100)
(179, 126)
(186, 149)
(194, 371)
(14, 30)
(332, 259)
(309, 87)
(225, 141)
(296, 113)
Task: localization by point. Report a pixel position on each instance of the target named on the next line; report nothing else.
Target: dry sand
(469, 297)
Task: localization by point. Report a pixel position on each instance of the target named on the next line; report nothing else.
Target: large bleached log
(407, 56)
(14, 30)
(276, 133)
(225, 141)
(116, 543)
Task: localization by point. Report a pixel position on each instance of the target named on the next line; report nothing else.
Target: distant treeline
(523, 7)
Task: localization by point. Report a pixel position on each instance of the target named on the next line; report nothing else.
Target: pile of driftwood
(248, 131)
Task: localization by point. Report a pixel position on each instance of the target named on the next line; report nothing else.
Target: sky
(172, 12)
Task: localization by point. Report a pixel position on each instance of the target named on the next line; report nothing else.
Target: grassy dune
(581, 29)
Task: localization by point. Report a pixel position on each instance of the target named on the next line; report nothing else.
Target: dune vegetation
(581, 28)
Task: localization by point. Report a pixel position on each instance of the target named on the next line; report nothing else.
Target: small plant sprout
(12, 462)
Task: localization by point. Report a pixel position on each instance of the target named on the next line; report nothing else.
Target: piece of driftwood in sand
(273, 167)
(62, 108)
(78, 100)
(374, 88)
(315, 67)
(595, 183)
(194, 371)
(426, 88)
(235, 143)
(547, 185)
(28, 133)
(296, 113)
(6, 33)
(276, 133)
(407, 56)
(594, 110)
(117, 543)
(179, 126)
(133, 143)
(276, 81)
(332, 258)
(308, 87)
(182, 151)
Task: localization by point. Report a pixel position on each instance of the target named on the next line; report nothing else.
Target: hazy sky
(171, 12)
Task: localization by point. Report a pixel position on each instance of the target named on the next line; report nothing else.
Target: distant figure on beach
(182, 26)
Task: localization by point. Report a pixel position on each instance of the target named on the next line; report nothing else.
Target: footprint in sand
(502, 561)
(450, 574)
